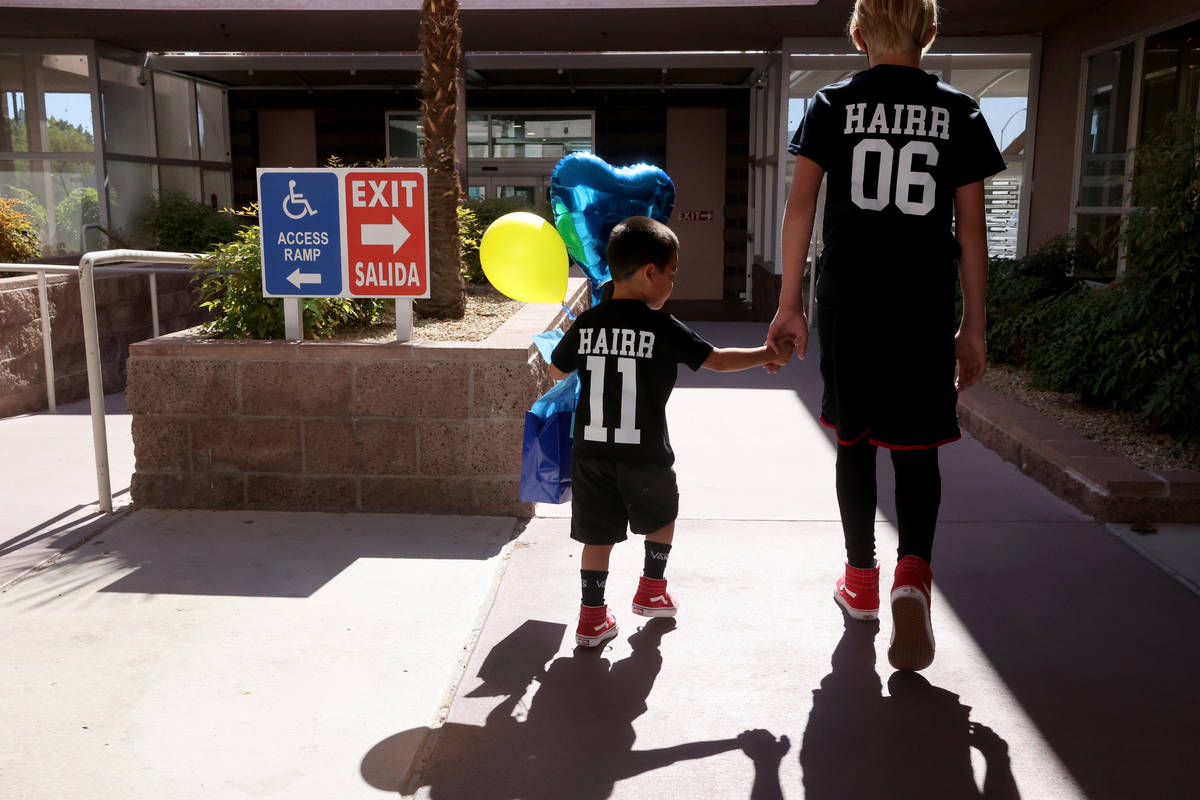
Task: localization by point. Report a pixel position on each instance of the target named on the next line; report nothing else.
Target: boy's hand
(783, 351)
(971, 356)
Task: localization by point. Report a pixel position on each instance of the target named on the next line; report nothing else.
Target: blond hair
(894, 26)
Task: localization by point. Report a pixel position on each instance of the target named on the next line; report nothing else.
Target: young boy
(627, 351)
(903, 152)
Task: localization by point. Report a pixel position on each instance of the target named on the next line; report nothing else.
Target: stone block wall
(123, 317)
(421, 427)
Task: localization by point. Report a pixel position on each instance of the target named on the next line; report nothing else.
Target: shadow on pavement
(914, 743)
(49, 529)
(575, 739)
(281, 554)
(1069, 618)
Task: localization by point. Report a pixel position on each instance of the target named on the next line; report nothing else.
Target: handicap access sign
(340, 232)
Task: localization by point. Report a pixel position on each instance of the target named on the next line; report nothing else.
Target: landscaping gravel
(1124, 434)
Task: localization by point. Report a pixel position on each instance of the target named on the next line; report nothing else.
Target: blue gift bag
(546, 450)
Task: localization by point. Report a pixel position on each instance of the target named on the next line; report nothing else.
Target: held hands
(789, 330)
(970, 354)
(783, 352)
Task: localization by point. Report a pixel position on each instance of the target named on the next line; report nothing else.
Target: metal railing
(89, 265)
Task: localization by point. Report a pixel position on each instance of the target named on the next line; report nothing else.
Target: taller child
(906, 156)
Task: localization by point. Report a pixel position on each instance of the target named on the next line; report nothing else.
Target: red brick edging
(1075, 468)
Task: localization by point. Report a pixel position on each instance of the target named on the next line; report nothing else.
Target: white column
(293, 327)
(404, 320)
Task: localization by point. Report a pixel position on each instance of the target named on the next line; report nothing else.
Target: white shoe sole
(852, 611)
(592, 641)
(647, 611)
(912, 646)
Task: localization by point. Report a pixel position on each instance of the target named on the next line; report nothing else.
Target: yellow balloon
(525, 258)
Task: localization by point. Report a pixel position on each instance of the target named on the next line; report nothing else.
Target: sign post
(340, 232)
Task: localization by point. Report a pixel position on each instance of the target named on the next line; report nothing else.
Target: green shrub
(178, 223)
(229, 283)
(1136, 344)
(470, 233)
(1174, 402)
(18, 238)
(27, 203)
(1021, 296)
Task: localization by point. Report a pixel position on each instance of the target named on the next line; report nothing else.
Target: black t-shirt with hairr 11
(627, 355)
(895, 143)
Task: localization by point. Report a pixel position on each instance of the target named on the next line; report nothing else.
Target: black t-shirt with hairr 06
(895, 143)
(627, 355)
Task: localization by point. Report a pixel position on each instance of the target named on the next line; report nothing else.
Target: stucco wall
(123, 317)
(1058, 101)
(421, 427)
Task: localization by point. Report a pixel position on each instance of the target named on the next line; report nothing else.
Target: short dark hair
(638, 241)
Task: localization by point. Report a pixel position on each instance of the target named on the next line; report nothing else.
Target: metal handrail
(90, 264)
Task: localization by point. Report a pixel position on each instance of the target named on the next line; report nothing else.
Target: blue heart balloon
(590, 197)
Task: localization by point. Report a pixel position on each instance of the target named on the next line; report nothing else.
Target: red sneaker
(652, 599)
(858, 592)
(912, 630)
(596, 625)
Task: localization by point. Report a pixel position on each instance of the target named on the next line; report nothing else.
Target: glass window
(210, 105)
(67, 100)
(179, 180)
(540, 135)
(218, 190)
(14, 134)
(404, 135)
(64, 98)
(1106, 127)
(525, 193)
(1096, 240)
(60, 196)
(123, 109)
(1170, 77)
(477, 135)
(174, 116)
(130, 185)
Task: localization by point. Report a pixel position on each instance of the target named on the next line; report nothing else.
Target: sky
(74, 107)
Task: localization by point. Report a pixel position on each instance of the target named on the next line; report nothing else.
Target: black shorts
(889, 375)
(609, 496)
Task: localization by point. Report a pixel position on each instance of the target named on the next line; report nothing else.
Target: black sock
(656, 559)
(593, 581)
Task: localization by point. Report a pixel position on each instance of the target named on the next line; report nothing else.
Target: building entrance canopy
(491, 25)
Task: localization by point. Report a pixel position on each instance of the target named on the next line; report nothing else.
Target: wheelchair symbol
(296, 199)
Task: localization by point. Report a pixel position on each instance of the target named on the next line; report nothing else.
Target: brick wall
(424, 427)
(123, 317)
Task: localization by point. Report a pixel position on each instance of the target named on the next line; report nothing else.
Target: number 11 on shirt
(628, 432)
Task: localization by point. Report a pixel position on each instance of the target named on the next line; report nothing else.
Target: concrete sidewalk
(1061, 671)
(48, 471)
(256, 654)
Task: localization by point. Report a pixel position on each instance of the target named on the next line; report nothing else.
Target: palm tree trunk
(441, 48)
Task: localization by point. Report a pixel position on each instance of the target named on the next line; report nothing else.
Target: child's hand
(784, 348)
(971, 356)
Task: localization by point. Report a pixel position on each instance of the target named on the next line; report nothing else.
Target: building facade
(106, 104)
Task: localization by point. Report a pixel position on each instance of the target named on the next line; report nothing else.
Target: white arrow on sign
(297, 278)
(393, 233)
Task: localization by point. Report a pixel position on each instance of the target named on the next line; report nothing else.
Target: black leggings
(918, 495)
